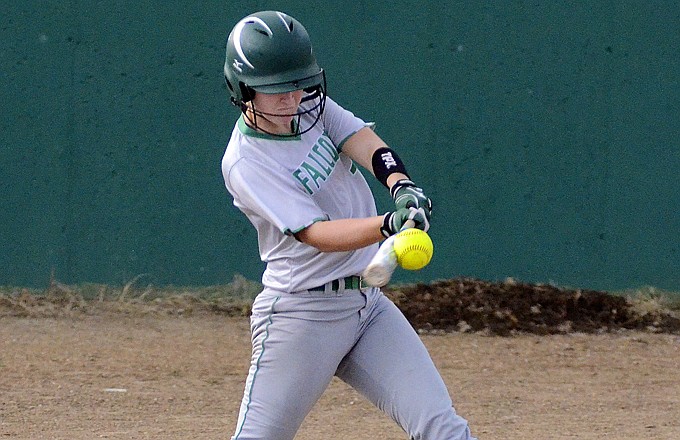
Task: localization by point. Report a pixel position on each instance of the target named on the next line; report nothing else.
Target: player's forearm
(342, 235)
(361, 148)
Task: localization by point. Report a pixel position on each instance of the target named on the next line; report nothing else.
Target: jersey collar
(249, 131)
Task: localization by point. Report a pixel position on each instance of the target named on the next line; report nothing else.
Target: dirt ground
(112, 373)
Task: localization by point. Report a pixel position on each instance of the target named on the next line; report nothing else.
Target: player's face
(274, 112)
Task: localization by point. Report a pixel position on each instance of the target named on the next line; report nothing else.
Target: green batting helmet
(270, 52)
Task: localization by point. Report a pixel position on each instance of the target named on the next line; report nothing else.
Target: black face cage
(315, 93)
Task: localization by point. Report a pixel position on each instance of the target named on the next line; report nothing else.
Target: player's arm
(361, 148)
(355, 233)
(371, 152)
(342, 234)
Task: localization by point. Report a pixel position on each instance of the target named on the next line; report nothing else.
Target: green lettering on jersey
(324, 155)
(329, 161)
(313, 173)
(353, 169)
(328, 146)
(325, 168)
(302, 180)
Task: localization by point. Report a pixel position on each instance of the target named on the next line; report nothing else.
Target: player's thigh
(391, 366)
(294, 359)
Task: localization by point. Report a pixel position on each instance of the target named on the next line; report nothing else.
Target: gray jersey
(284, 185)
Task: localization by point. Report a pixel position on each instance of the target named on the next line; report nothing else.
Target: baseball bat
(384, 262)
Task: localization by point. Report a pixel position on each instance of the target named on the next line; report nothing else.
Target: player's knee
(268, 433)
(445, 424)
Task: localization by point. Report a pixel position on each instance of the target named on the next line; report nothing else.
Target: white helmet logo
(237, 65)
(237, 37)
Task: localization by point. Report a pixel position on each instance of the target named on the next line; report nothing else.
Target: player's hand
(394, 221)
(406, 194)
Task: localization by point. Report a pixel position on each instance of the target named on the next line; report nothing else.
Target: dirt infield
(90, 370)
(164, 377)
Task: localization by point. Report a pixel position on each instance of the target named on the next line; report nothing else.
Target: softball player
(291, 168)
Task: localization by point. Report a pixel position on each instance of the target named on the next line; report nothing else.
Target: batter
(291, 166)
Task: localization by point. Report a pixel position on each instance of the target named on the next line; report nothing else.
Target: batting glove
(406, 194)
(393, 222)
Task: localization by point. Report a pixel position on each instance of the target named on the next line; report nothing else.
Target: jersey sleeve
(272, 196)
(340, 123)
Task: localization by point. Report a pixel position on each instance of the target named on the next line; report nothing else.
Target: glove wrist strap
(385, 228)
(399, 184)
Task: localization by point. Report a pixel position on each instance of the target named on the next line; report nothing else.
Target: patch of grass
(233, 298)
(650, 300)
(444, 304)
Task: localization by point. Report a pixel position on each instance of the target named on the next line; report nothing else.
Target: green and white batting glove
(406, 194)
(393, 222)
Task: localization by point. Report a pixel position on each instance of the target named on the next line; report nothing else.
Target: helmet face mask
(271, 52)
(316, 96)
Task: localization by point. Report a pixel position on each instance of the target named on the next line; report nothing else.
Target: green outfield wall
(547, 133)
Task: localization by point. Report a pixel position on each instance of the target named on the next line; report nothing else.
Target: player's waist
(346, 283)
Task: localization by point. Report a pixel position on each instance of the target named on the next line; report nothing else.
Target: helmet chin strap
(252, 122)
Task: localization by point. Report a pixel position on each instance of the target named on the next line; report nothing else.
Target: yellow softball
(413, 249)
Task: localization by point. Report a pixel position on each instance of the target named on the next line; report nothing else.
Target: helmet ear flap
(233, 100)
(248, 93)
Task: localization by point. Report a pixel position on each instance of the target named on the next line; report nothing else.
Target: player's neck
(268, 124)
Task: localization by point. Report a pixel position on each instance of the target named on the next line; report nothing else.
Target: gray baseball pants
(302, 339)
